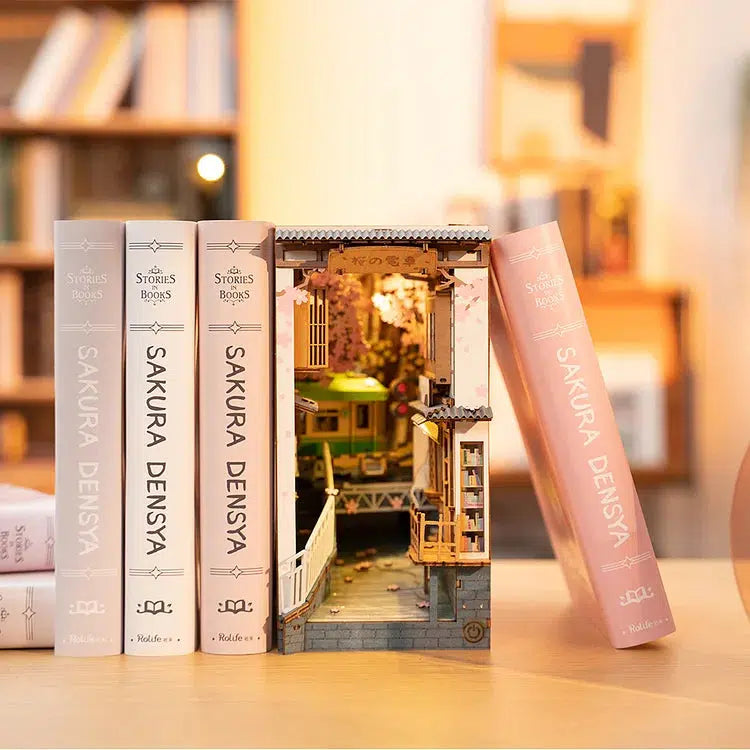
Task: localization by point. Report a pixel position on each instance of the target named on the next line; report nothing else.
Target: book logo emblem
(86, 285)
(236, 571)
(153, 607)
(4, 614)
(636, 596)
(29, 613)
(155, 572)
(86, 608)
(547, 290)
(235, 606)
(233, 285)
(536, 252)
(626, 562)
(154, 285)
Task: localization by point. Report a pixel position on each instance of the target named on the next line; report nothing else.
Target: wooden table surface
(549, 680)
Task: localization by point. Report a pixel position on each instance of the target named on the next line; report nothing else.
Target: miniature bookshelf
(472, 477)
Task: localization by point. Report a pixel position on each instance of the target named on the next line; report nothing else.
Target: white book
(204, 60)
(40, 192)
(235, 266)
(228, 53)
(160, 595)
(116, 72)
(27, 610)
(161, 84)
(53, 64)
(88, 437)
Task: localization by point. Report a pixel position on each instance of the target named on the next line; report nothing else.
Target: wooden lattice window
(311, 332)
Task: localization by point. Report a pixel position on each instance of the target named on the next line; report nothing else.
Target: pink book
(235, 259)
(27, 610)
(578, 465)
(27, 530)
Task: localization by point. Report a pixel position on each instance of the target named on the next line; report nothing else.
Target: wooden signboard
(383, 259)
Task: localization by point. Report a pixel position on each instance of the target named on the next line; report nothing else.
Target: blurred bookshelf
(564, 144)
(106, 108)
(121, 124)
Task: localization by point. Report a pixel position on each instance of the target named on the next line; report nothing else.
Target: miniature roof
(449, 233)
(444, 413)
(343, 387)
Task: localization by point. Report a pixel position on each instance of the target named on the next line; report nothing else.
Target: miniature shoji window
(311, 332)
(472, 497)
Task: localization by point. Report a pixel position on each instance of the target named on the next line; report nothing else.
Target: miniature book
(88, 437)
(27, 610)
(579, 469)
(27, 530)
(160, 595)
(235, 266)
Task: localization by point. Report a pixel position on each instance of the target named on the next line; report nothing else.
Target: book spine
(88, 436)
(27, 610)
(27, 532)
(566, 389)
(160, 601)
(235, 262)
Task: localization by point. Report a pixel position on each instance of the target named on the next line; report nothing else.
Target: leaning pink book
(580, 472)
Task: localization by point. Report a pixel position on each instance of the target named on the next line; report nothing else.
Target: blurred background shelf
(120, 125)
(16, 255)
(30, 390)
(559, 41)
(107, 108)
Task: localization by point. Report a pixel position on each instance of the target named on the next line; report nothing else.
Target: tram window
(363, 416)
(326, 421)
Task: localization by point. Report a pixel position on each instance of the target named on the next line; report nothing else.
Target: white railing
(298, 574)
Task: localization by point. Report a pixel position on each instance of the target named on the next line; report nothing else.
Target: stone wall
(291, 635)
(470, 629)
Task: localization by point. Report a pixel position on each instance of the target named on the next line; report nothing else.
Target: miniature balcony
(432, 542)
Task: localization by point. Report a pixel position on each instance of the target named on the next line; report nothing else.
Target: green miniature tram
(351, 418)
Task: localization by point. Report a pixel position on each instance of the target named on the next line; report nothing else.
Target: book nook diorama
(382, 345)
(337, 413)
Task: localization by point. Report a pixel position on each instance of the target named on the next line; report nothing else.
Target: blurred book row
(43, 179)
(595, 220)
(166, 61)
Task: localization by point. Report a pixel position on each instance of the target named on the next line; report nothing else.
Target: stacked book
(177, 58)
(135, 283)
(27, 558)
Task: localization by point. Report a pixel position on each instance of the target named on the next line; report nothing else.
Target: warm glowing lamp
(210, 167)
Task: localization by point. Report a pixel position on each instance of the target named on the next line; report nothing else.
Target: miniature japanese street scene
(383, 427)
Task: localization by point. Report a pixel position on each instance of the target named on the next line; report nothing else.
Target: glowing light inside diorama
(428, 428)
(210, 167)
(382, 302)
